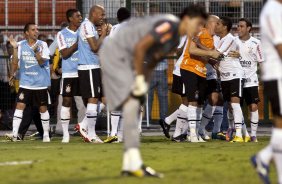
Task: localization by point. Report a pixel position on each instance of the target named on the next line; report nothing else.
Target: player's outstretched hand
(234, 54)
(140, 87)
(104, 29)
(13, 41)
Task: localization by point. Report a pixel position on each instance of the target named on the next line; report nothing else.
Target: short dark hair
(226, 21)
(248, 22)
(123, 14)
(70, 13)
(26, 27)
(194, 11)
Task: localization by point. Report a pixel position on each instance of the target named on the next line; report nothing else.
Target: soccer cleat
(46, 138)
(165, 128)
(205, 137)
(218, 136)
(10, 137)
(261, 168)
(66, 139)
(237, 139)
(144, 171)
(200, 139)
(229, 134)
(111, 139)
(254, 139)
(96, 140)
(247, 139)
(180, 138)
(82, 132)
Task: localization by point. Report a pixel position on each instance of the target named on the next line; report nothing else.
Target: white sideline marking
(27, 162)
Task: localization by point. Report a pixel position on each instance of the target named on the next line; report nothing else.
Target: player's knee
(253, 107)
(43, 109)
(67, 101)
(20, 106)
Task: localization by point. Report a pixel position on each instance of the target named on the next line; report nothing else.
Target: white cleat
(96, 140)
(46, 138)
(66, 139)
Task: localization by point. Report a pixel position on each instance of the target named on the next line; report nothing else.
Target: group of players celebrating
(214, 66)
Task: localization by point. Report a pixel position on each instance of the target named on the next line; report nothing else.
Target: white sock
(115, 117)
(238, 118)
(84, 123)
(45, 118)
(172, 117)
(244, 129)
(91, 114)
(192, 119)
(230, 120)
(276, 145)
(132, 159)
(17, 119)
(101, 107)
(120, 130)
(266, 154)
(180, 120)
(199, 112)
(217, 117)
(65, 119)
(207, 115)
(254, 123)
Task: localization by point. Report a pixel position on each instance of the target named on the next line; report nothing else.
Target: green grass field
(214, 162)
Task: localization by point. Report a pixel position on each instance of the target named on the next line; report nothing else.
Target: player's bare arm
(15, 60)
(67, 52)
(279, 49)
(96, 43)
(194, 50)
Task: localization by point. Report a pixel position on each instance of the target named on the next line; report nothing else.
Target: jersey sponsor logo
(225, 74)
(246, 64)
(164, 27)
(29, 66)
(31, 73)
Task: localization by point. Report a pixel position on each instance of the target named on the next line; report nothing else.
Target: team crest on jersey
(21, 96)
(68, 89)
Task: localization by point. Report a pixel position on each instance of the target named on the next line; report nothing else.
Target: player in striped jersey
(250, 57)
(231, 74)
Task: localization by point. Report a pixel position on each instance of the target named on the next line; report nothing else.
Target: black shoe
(144, 171)
(165, 127)
(180, 138)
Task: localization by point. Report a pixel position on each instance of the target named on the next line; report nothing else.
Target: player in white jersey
(231, 73)
(33, 58)
(67, 44)
(271, 41)
(180, 115)
(123, 15)
(250, 57)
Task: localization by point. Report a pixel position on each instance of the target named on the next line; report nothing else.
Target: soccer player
(123, 15)
(251, 55)
(231, 73)
(125, 76)
(67, 44)
(89, 72)
(180, 115)
(193, 74)
(271, 41)
(33, 55)
(214, 107)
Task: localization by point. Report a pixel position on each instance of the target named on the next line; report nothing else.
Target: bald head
(211, 23)
(97, 14)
